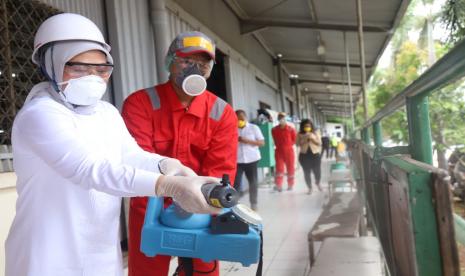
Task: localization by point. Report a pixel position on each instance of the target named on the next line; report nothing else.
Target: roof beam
(327, 101)
(335, 107)
(320, 63)
(311, 93)
(252, 25)
(328, 82)
(337, 114)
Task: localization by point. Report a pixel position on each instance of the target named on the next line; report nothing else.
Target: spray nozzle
(221, 196)
(225, 180)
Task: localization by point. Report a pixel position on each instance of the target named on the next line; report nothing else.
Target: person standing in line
(341, 152)
(183, 120)
(333, 143)
(248, 155)
(309, 143)
(325, 144)
(284, 137)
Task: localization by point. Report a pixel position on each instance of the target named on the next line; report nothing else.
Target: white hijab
(55, 58)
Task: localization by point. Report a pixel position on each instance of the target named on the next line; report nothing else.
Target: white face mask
(282, 121)
(194, 85)
(87, 90)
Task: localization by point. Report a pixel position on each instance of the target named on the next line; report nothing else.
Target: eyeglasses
(81, 69)
(188, 62)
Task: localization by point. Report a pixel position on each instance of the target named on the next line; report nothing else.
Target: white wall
(8, 198)
(267, 94)
(133, 48)
(246, 91)
(336, 129)
(93, 9)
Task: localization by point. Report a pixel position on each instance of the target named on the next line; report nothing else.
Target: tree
(391, 81)
(410, 59)
(453, 17)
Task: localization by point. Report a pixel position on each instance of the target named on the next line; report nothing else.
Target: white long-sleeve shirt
(72, 171)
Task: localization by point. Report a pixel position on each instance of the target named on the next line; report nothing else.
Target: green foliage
(453, 17)
(386, 83)
(336, 120)
(409, 60)
(447, 112)
(447, 106)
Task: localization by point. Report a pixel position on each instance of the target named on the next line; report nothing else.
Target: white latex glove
(185, 190)
(171, 166)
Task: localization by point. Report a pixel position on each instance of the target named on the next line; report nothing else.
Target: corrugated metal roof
(285, 27)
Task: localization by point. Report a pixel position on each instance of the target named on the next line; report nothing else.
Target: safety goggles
(188, 62)
(81, 69)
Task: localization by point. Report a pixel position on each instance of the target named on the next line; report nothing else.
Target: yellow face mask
(307, 129)
(241, 123)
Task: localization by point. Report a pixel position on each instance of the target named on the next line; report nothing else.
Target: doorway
(217, 81)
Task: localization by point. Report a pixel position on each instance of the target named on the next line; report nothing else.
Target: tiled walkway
(288, 217)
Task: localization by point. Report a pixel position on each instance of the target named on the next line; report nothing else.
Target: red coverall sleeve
(137, 114)
(221, 157)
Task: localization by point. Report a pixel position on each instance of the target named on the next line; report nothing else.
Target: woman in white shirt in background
(248, 155)
(75, 160)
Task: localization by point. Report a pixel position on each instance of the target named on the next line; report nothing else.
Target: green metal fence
(408, 200)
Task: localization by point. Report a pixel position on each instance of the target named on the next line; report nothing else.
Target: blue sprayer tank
(174, 232)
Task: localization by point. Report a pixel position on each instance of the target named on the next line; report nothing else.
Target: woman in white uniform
(75, 159)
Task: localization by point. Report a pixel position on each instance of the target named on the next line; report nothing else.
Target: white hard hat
(66, 26)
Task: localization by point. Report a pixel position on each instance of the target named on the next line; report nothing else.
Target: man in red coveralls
(181, 119)
(284, 139)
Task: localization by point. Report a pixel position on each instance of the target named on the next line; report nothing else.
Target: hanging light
(321, 50)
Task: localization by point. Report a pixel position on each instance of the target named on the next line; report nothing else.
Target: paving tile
(285, 272)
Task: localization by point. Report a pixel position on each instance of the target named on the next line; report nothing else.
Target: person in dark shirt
(325, 144)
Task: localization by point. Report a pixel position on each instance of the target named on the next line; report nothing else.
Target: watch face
(246, 214)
